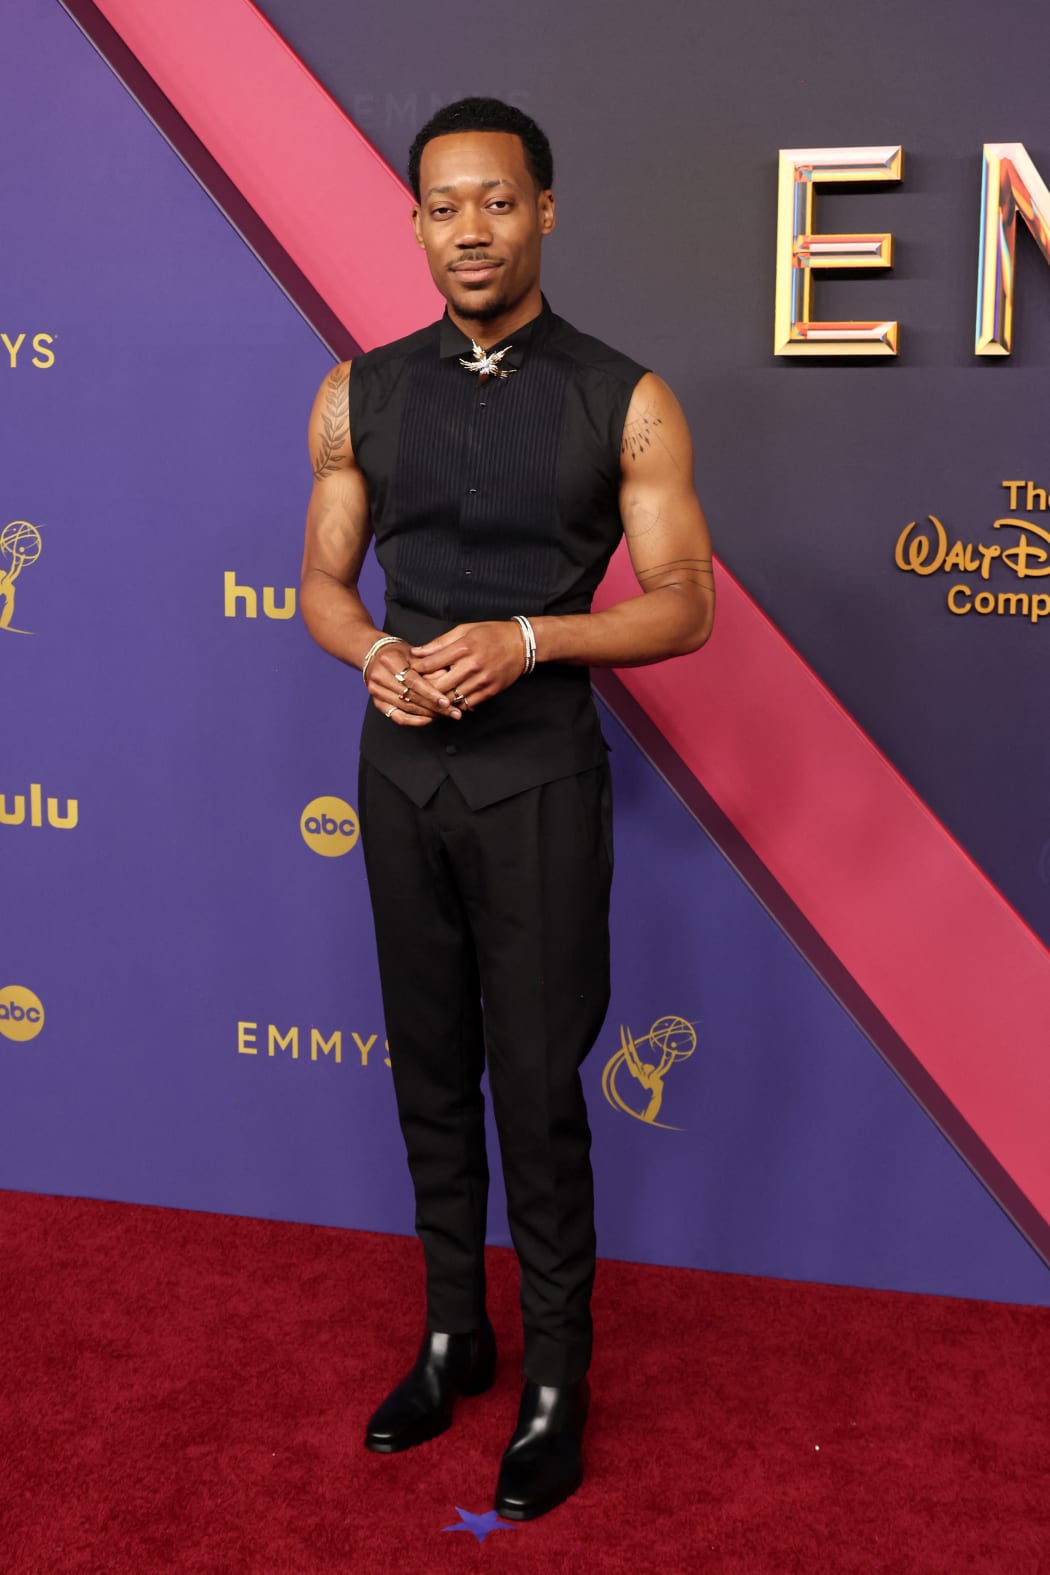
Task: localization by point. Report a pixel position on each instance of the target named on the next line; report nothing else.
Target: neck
(493, 329)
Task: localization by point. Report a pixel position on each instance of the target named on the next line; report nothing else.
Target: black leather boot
(543, 1463)
(421, 1406)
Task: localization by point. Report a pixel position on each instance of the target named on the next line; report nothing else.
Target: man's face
(481, 221)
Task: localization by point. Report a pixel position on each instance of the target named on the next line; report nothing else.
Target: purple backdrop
(164, 450)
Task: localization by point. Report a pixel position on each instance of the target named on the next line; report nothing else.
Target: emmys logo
(329, 826)
(21, 1013)
(669, 1040)
(19, 547)
(258, 1038)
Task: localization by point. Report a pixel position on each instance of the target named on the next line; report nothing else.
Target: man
(496, 456)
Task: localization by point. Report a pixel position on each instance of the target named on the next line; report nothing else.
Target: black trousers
(492, 930)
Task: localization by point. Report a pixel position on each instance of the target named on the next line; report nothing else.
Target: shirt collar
(452, 341)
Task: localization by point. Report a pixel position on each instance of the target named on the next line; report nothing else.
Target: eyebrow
(444, 190)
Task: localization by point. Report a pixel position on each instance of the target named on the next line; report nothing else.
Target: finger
(421, 694)
(428, 666)
(401, 717)
(448, 638)
(460, 677)
(425, 692)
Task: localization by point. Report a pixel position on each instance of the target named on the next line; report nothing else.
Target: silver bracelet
(384, 639)
(528, 634)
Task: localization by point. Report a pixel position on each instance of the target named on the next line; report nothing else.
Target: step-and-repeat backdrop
(189, 1005)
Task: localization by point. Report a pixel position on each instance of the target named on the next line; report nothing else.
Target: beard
(482, 311)
(477, 306)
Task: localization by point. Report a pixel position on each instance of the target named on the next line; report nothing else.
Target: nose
(474, 228)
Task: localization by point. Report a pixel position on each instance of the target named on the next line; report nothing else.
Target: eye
(500, 202)
(440, 213)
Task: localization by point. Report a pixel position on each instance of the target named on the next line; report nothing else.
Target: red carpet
(186, 1392)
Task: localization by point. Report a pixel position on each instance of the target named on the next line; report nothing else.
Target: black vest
(489, 499)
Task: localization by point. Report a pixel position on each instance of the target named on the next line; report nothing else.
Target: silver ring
(406, 693)
(389, 714)
(400, 677)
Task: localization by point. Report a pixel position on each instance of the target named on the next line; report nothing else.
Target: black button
(472, 491)
(465, 571)
(450, 749)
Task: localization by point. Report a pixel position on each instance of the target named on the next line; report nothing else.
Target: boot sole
(541, 1507)
(383, 1446)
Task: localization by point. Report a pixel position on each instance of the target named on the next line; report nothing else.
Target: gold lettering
(1011, 602)
(45, 356)
(961, 557)
(912, 555)
(326, 1046)
(1040, 606)
(15, 816)
(984, 602)
(800, 251)
(246, 1039)
(987, 554)
(958, 590)
(1034, 492)
(36, 812)
(13, 349)
(69, 819)
(1020, 557)
(284, 1041)
(234, 593)
(1014, 488)
(364, 1046)
(270, 607)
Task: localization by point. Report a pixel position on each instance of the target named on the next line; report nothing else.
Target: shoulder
(594, 356)
(398, 349)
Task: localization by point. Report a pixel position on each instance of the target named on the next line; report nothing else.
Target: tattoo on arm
(639, 432)
(690, 571)
(335, 422)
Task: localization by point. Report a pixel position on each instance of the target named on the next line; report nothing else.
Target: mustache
(469, 262)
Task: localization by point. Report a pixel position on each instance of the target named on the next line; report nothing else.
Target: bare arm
(669, 544)
(338, 531)
(670, 549)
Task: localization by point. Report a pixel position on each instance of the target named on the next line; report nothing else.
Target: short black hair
(485, 114)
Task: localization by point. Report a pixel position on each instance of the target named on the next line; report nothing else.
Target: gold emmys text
(269, 1040)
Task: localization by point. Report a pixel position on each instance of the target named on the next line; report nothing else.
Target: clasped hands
(449, 676)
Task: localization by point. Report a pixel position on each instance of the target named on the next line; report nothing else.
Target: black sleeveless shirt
(489, 499)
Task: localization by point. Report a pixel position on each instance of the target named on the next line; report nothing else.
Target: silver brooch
(487, 365)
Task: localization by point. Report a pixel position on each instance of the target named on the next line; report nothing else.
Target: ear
(417, 223)
(545, 203)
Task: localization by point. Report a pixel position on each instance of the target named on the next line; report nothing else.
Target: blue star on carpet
(480, 1525)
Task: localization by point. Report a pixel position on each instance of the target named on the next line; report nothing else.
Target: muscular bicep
(338, 529)
(667, 534)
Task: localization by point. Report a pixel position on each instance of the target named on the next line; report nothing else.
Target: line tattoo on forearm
(335, 422)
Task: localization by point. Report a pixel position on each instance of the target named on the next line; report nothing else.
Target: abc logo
(21, 1013)
(329, 826)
